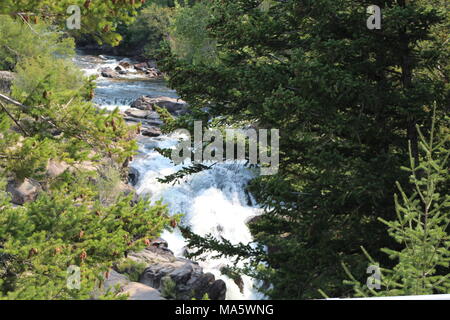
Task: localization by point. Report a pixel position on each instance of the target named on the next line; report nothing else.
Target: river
(212, 202)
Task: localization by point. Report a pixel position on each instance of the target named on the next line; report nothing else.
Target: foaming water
(120, 93)
(127, 91)
(212, 202)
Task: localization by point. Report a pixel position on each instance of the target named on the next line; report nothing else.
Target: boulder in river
(120, 70)
(149, 69)
(108, 72)
(153, 73)
(133, 176)
(143, 103)
(125, 64)
(186, 277)
(138, 113)
(145, 123)
(141, 66)
(174, 106)
(217, 290)
(152, 132)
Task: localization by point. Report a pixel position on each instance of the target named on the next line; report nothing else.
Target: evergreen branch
(177, 176)
(14, 102)
(31, 28)
(13, 119)
(221, 247)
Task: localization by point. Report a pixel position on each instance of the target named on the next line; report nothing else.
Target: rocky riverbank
(144, 111)
(154, 273)
(145, 70)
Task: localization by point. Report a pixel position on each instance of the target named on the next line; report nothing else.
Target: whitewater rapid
(212, 202)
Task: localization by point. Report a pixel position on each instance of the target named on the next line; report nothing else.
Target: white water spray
(213, 201)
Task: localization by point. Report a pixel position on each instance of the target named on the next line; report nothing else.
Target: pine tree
(421, 227)
(346, 100)
(78, 217)
(98, 18)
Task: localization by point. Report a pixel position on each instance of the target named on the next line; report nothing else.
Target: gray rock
(120, 284)
(151, 132)
(183, 274)
(139, 291)
(138, 113)
(160, 243)
(115, 281)
(190, 281)
(25, 191)
(153, 115)
(133, 176)
(153, 255)
(174, 106)
(125, 64)
(142, 114)
(108, 73)
(141, 66)
(152, 275)
(143, 103)
(56, 168)
(144, 122)
(218, 290)
(202, 285)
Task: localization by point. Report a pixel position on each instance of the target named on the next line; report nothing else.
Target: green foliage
(170, 124)
(98, 18)
(188, 33)
(346, 101)
(185, 171)
(132, 268)
(110, 183)
(62, 80)
(73, 221)
(144, 35)
(205, 297)
(57, 117)
(70, 226)
(18, 42)
(421, 227)
(168, 288)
